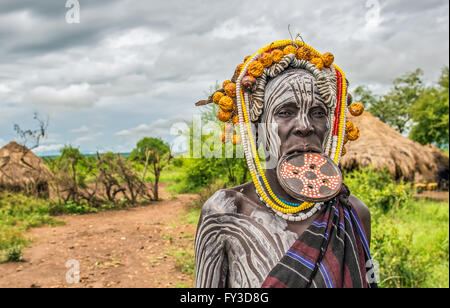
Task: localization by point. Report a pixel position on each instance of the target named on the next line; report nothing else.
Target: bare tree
(34, 136)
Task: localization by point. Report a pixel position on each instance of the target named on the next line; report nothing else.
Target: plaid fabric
(332, 253)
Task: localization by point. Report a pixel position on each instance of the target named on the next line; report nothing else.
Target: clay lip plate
(309, 176)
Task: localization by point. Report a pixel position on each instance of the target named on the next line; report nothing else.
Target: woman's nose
(303, 127)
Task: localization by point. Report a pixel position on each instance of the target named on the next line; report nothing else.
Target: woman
(285, 229)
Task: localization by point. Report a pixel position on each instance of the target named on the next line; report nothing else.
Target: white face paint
(293, 86)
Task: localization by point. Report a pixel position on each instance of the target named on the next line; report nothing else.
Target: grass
(171, 174)
(19, 213)
(184, 256)
(185, 260)
(193, 216)
(411, 244)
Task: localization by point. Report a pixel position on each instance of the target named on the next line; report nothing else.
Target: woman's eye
(319, 113)
(284, 113)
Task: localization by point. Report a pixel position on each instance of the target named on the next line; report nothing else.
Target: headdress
(241, 101)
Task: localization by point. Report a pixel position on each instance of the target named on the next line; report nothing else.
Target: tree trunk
(157, 170)
(155, 190)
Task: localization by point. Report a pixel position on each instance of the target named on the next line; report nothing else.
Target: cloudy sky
(130, 69)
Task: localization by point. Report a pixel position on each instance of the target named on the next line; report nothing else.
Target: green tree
(395, 108)
(155, 153)
(430, 114)
(155, 145)
(71, 169)
(230, 169)
(364, 95)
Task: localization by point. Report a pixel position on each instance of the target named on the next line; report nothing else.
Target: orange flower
(348, 126)
(246, 58)
(226, 104)
(328, 59)
(239, 68)
(344, 151)
(266, 59)
(345, 139)
(290, 49)
(235, 120)
(217, 96)
(224, 84)
(277, 55)
(356, 109)
(353, 134)
(230, 89)
(223, 115)
(255, 69)
(303, 53)
(317, 62)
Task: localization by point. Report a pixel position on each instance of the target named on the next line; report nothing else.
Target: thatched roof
(21, 169)
(381, 146)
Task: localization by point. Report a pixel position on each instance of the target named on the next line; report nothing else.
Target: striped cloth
(332, 253)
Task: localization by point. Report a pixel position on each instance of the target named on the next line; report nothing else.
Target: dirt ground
(434, 195)
(126, 248)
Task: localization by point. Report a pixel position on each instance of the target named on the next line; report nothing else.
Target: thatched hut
(22, 170)
(381, 146)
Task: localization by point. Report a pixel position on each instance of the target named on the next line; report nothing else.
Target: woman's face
(299, 112)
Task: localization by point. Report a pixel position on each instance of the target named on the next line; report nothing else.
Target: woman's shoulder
(227, 200)
(360, 207)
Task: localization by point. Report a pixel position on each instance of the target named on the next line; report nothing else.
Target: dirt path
(127, 248)
(433, 195)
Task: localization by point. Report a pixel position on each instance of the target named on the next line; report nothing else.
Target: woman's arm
(211, 262)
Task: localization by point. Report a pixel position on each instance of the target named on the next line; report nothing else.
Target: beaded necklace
(282, 200)
(300, 216)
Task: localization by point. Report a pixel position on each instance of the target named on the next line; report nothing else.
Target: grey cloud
(159, 128)
(73, 96)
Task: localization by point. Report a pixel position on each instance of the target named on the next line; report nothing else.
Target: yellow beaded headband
(241, 100)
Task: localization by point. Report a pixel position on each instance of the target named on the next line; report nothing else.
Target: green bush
(14, 254)
(71, 207)
(200, 172)
(377, 189)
